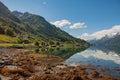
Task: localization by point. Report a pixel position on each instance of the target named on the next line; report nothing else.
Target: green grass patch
(8, 39)
(12, 44)
(5, 44)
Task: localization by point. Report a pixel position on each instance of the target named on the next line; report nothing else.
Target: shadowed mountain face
(5, 13)
(34, 25)
(10, 23)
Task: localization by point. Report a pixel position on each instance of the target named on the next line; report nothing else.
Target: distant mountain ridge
(108, 42)
(16, 23)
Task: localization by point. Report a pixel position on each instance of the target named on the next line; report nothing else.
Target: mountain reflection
(62, 52)
(95, 56)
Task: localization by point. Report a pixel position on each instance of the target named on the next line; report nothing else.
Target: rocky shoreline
(15, 65)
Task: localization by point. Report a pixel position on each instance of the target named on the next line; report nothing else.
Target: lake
(91, 59)
(97, 57)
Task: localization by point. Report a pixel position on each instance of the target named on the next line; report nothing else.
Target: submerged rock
(94, 74)
(77, 78)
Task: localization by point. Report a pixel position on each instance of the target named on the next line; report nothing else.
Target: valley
(77, 47)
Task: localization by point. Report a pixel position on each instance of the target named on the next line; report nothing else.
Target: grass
(7, 39)
(6, 44)
(11, 44)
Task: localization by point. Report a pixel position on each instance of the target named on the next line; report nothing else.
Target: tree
(57, 43)
(43, 43)
(37, 44)
(2, 30)
(26, 41)
(9, 32)
(19, 40)
(51, 43)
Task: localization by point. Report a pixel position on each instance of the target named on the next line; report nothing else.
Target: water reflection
(62, 52)
(95, 56)
(101, 58)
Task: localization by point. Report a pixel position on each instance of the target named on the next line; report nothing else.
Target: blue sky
(83, 16)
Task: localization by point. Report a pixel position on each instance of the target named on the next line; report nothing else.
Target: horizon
(81, 18)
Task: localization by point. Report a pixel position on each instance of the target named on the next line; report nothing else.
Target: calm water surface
(93, 56)
(76, 56)
(97, 57)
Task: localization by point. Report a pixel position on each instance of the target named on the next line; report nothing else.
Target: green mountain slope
(10, 24)
(5, 13)
(44, 28)
(32, 26)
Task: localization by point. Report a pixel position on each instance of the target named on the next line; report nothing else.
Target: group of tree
(43, 43)
(24, 38)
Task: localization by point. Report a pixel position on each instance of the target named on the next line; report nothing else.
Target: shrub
(57, 43)
(9, 32)
(36, 44)
(51, 43)
(2, 30)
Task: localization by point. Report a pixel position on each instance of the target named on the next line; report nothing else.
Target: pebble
(4, 78)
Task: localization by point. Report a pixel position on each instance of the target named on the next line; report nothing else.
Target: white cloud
(78, 25)
(61, 23)
(84, 36)
(64, 22)
(100, 34)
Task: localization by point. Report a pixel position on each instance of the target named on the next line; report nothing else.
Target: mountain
(10, 24)
(108, 42)
(5, 13)
(31, 25)
(43, 28)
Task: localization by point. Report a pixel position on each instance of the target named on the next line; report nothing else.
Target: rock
(80, 68)
(83, 73)
(5, 62)
(21, 79)
(25, 73)
(49, 68)
(4, 78)
(47, 72)
(1, 62)
(84, 77)
(8, 70)
(94, 74)
(77, 78)
(73, 70)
